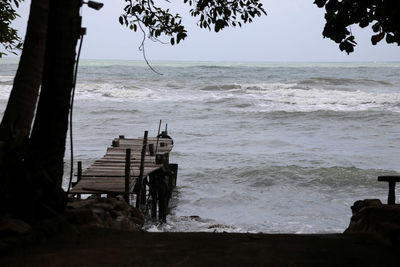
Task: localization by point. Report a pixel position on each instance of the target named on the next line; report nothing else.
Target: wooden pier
(132, 166)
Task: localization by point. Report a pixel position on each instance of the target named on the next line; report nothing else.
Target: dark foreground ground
(118, 248)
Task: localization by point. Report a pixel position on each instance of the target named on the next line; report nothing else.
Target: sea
(272, 147)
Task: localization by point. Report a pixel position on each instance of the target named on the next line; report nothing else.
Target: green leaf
(390, 38)
(320, 3)
(376, 27)
(377, 38)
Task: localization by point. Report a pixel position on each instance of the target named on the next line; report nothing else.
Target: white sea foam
(5, 92)
(287, 98)
(254, 97)
(111, 92)
(5, 86)
(6, 79)
(123, 93)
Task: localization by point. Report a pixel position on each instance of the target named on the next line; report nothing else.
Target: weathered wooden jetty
(132, 167)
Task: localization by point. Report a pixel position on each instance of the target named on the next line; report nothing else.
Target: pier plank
(107, 174)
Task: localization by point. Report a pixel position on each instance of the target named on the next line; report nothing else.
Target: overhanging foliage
(9, 39)
(213, 15)
(382, 15)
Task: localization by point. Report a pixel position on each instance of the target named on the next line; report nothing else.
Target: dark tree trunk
(48, 137)
(17, 119)
(18, 116)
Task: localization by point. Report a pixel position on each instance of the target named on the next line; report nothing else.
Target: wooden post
(141, 171)
(151, 149)
(392, 193)
(392, 180)
(115, 143)
(79, 176)
(158, 136)
(127, 174)
(143, 193)
(173, 167)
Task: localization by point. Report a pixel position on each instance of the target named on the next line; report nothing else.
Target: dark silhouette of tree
(31, 165)
(46, 149)
(383, 15)
(16, 124)
(19, 113)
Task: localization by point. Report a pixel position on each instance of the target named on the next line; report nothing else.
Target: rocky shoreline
(92, 227)
(80, 215)
(372, 217)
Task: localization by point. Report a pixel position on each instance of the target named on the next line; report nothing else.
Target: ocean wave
(343, 81)
(5, 91)
(247, 87)
(292, 98)
(253, 98)
(266, 176)
(221, 87)
(361, 116)
(213, 66)
(6, 80)
(114, 111)
(258, 97)
(112, 92)
(272, 198)
(318, 99)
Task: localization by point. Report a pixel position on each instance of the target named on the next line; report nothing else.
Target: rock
(104, 213)
(79, 216)
(104, 206)
(123, 223)
(372, 217)
(79, 203)
(359, 204)
(11, 226)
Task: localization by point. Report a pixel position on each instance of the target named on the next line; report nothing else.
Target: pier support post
(174, 173)
(79, 176)
(127, 174)
(141, 171)
(151, 149)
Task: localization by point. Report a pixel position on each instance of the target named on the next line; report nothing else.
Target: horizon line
(226, 61)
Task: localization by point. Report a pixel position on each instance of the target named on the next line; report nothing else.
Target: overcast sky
(292, 31)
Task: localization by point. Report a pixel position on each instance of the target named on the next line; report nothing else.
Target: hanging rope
(71, 111)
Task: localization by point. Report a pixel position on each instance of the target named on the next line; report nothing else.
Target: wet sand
(102, 247)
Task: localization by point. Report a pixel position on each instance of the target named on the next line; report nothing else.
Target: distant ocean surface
(261, 147)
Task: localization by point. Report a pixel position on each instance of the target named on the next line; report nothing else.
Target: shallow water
(261, 147)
